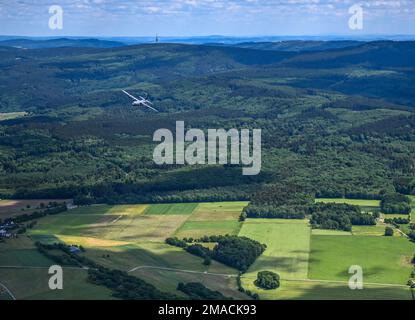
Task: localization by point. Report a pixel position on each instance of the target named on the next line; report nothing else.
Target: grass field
(383, 259)
(320, 290)
(132, 236)
(324, 232)
(288, 245)
(215, 218)
(169, 208)
(31, 283)
(370, 231)
(356, 202)
(11, 115)
(413, 208)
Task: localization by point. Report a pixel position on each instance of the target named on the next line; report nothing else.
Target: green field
(383, 259)
(356, 202)
(173, 209)
(319, 290)
(30, 279)
(413, 208)
(215, 218)
(370, 231)
(288, 245)
(313, 264)
(12, 115)
(131, 237)
(325, 232)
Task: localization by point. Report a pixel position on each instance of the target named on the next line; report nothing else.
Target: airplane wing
(145, 100)
(148, 106)
(131, 96)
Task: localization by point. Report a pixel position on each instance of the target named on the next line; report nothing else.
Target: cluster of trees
(125, 286)
(197, 291)
(237, 252)
(267, 280)
(268, 211)
(339, 216)
(58, 208)
(278, 201)
(234, 251)
(395, 203)
(397, 221)
(389, 232)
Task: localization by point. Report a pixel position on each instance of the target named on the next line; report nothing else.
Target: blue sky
(205, 17)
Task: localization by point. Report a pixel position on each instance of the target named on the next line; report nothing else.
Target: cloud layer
(203, 17)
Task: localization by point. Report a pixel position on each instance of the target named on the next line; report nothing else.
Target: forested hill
(335, 122)
(297, 45)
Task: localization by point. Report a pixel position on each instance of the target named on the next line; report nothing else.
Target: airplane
(140, 102)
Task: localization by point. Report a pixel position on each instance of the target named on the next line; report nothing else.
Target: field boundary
(183, 270)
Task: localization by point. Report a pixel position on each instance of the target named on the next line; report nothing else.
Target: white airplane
(140, 102)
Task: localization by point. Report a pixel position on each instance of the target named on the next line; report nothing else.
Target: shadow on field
(343, 292)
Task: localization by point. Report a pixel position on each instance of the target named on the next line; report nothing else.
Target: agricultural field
(26, 275)
(288, 246)
(216, 218)
(385, 260)
(312, 263)
(356, 202)
(131, 238)
(12, 208)
(12, 115)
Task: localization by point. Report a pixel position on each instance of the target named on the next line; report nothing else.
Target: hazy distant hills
(297, 45)
(61, 42)
(52, 78)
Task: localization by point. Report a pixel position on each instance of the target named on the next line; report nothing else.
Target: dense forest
(337, 121)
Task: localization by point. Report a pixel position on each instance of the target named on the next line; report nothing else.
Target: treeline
(121, 284)
(395, 203)
(335, 216)
(197, 291)
(234, 251)
(397, 221)
(59, 208)
(268, 211)
(276, 201)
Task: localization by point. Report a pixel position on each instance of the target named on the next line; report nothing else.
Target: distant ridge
(60, 42)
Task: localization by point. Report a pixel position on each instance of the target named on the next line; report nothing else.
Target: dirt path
(8, 291)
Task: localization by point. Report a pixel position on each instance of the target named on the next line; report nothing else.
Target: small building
(4, 234)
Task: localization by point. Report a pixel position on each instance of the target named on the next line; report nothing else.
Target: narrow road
(254, 277)
(184, 271)
(8, 291)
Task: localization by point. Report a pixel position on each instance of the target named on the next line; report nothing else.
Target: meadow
(131, 238)
(313, 264)
(384, 260)
(356, 202)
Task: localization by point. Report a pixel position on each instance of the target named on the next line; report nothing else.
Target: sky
(206, 17)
